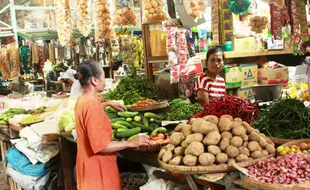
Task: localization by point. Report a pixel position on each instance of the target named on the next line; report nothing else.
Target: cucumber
(2, 122)
(128, 119)
(127, 114)
(145, 121)
(113, 120)
(132, 137)
(126, 124)
(143, 128)
(128, 133)
(152, 120)
(18, 110)
(151, 115)
(158, 130)
(111, 110)
(121, 129)
(111, 115)
(154, 125)
(117, 126)
(137, 118)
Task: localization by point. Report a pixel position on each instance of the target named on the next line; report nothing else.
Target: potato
(224, 124)
(170, 147)
(265, 153)
(238, 121)
(212, 119)
(190, 160)
(242, 158)
(244, 137)
(195, 148)
(176, 138)
(206, 159)
(212, 138)
(199, 125)
(221, 158)
(184, 144)
(245, 125)
(186, 130)
(179, 127)
(231, 161)
(253, 146)
(238, 130)
(254, 136)
(226, 134)
(236, 141)
(243, 150)
(227, 116)
(191, 138)
(176, 160)
(179, 151)
(224, 143)
(262, 142)
(270, 148)
(233, 124)
(245, 144)
(214, 149)
(232, 151)
(161, 152)
(256, 154)
(167, 156)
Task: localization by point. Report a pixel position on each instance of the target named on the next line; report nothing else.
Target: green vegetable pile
(285, 119)
(182, 111)
(132, 90)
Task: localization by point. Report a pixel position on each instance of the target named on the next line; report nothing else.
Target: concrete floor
(3, 184)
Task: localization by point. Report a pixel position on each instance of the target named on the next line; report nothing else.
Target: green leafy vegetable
(182, 111)
(66, 121)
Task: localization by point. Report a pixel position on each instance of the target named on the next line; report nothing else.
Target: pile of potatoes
(212, 140)
(125, 16)
(153, 10)
(103, 28)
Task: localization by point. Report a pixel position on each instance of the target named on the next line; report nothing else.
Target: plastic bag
(124, 13)
(103, 25)
(13, 52)
(153, 10)
(195, 8)
(84, 16)
(63, 21)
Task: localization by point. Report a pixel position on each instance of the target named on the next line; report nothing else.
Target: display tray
(16, 127)
(161, 105)
(296, 142)
(153, 147)
(4, 126)
(61, 96)
(207, 169)
(30, 123)
(278, 141)
(255, 184)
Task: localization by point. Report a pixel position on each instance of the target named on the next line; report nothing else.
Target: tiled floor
(3, 185)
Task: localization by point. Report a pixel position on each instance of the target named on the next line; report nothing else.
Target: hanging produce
(285, 119)
(63, 21)
(103, 24)
(154, 10)
(51, 51)
(195, 8)
(13, 51)
(258, 23)
(215, 15)
(5, 64)
(84, 16)
(124, 13)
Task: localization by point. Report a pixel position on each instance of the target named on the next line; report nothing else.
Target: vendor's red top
(94, 132)
(215, 88)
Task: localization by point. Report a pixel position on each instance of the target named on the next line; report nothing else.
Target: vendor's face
(215, 62)
(101, 82)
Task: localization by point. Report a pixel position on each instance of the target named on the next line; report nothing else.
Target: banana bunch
(4, 118)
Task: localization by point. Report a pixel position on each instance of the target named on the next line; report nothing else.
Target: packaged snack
(63, 21)
(84, 16)
(175, 74)
(5, 64)
(154, 10)
(103, 24)
(13, 51)
(124, 13)
(195, 8)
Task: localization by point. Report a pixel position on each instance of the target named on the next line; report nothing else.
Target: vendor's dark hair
(214, 50)
(86, 70)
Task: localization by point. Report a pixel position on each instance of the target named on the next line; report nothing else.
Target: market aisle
(3, 185)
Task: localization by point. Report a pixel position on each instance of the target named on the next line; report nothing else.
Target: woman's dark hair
(214, 50)
(86, 70)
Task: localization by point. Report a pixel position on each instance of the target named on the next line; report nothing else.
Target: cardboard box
(298, 74)
(273, 76)
(245, 93)
(275, 44)
(244, 44)
(249, 75)
(232, 76)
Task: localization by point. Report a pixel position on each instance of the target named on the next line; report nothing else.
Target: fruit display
(127, 125)
(302, 148)
(31, 119)
(4, 117)
(146, 102)
(285, 170)
(212, 140)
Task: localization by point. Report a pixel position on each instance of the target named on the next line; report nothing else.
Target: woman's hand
(140, 140)
(118, 106)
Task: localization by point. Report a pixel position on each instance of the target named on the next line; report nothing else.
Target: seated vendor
(53, 74)
(209, 84)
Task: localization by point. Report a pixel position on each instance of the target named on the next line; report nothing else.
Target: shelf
(233, 54)
(5, 9)
(158, 59)
(38, 34)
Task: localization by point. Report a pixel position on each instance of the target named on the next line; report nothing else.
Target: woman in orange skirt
(96, 165)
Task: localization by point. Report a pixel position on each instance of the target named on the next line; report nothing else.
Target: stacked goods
(4, 118)
(285, 170)
(132, 90)
(153, 10)
(285, 119)
(127, 125)
(212, 140)
(182, 111)
(231, 105)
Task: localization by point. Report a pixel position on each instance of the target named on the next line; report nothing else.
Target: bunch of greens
(131, 90)
(182, 111)
(286, 119)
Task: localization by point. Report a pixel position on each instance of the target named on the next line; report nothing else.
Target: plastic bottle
(203, 41)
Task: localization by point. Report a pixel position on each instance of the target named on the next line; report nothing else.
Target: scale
(265, 95)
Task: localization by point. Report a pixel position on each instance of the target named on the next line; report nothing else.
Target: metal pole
(13, 22)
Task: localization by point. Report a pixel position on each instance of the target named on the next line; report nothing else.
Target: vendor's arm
(115, 105)
(202, 97)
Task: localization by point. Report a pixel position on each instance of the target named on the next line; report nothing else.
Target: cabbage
(66, 121)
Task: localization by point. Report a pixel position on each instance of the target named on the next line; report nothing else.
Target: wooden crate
(5, 146)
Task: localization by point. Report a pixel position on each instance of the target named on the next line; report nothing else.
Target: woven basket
(252, 183)
(206, 169)
(296, 142)
(152, 147)
(278, 141)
